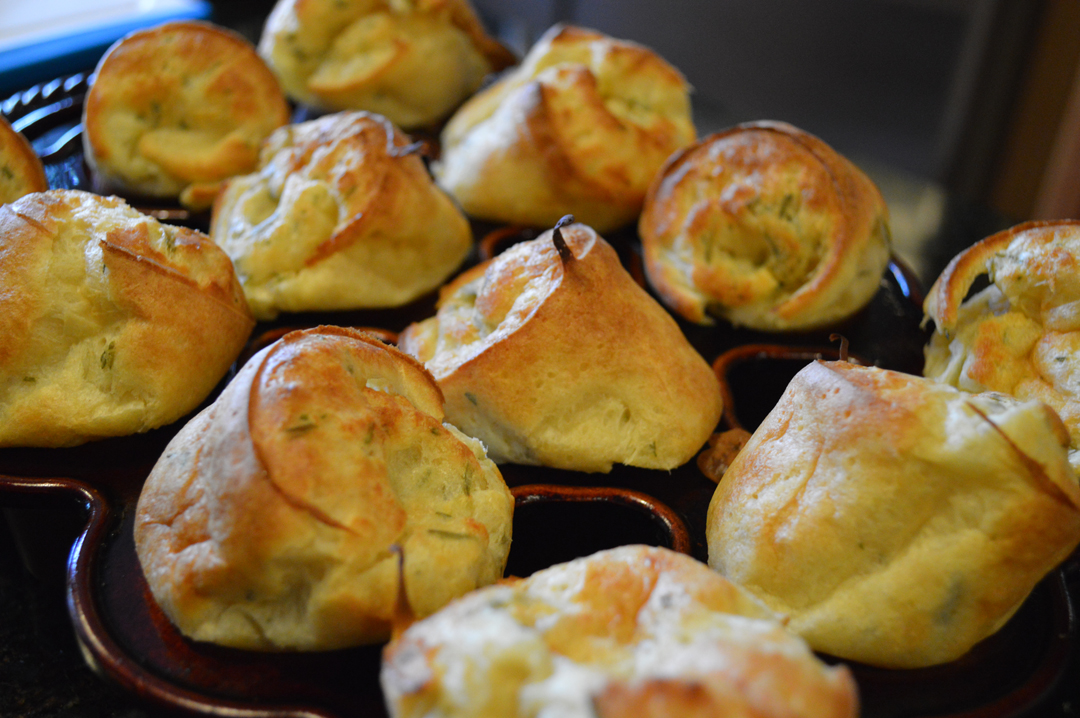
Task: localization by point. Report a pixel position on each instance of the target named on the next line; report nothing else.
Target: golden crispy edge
(948, 292)
(408, 661)
(546, 327)
(859, 199)
(94, 105)
(16, 150)
(396, 147)
(157, 505)
(666, 282)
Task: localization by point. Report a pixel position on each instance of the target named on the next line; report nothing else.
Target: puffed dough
(412, 61)
(634, 631)
(111, 323)
(579, 128)
(175, 109)
(341, 214)
(896, 521)
(566, 361)
(765, 226)
(1021, 334)
(270, 520)
(21, 171)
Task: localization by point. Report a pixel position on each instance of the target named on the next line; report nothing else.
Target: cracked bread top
(111, 322)
(270, 520)
(175, 109)
(580, 127)
(559, 358)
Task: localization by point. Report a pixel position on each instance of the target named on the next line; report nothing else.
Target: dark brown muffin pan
(87, 495)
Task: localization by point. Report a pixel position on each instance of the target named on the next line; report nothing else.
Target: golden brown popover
(1021, 334)
(340, 214)
(580, 127)
(632, 632)
(412, 61)
(270, 521)
(175, 109)
(552, 354)
(767, 227)
(897, 521)
(111, 322)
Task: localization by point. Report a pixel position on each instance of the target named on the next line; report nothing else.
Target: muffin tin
(559, 515)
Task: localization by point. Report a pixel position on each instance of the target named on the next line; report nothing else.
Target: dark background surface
(42, 672)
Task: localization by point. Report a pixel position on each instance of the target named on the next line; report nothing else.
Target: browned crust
(132, 245)
(655, 223)
(558, 123)
(551, 129)
(594, 326)
(384, 162)
(855, 203)
(19, 227)
(300, 36)
(385, 233)
(860, 202)
(547, 132)
(460, 13)
(434, 407)
(704, 698)
(17, 158)
(387, 162)
(953, 284)
(280, 497)
(132, 70)
(618, 612)
(643, 57)
(176, 323)
(848, 554)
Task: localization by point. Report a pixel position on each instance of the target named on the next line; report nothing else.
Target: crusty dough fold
(111, 323)
(580, 127)
(269, 521)
(563, 360)
(896, 520)
(340, 214)
(175, 109)
(634, 631)
(765, 226)
(1021, 334)
(413, 61)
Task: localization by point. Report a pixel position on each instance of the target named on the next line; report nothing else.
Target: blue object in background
(22, 66)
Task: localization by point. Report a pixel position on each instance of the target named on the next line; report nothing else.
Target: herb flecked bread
(765, 226)
(339, 214)
(1021, 334)
(551, 354)
(897, 521)
(412, 61)
(580, 127)
(111, 323)
(175, 109)
(270, 520)
(635, 631)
